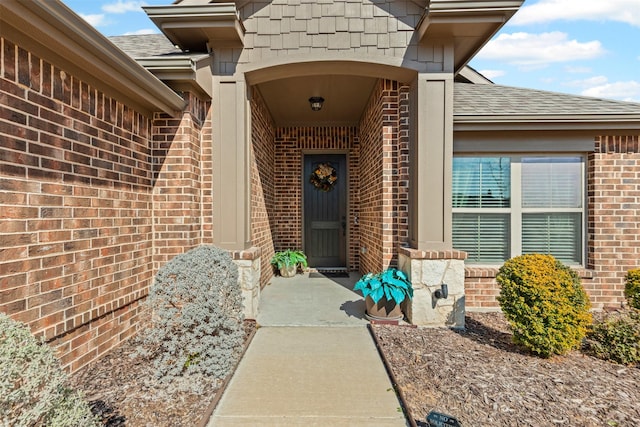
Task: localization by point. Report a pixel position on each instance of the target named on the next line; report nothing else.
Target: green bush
(197, 318)
(545, 304)
(632, 288)
(616, 338)
(33, 388)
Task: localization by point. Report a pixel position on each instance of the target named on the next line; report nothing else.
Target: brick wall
(177, 185)
(289, 146)
(76, 208)
(371, 181)
(613, 230)
(613, 197)
(263, 217)
(384, 166)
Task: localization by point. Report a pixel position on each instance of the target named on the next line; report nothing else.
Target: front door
(325, 210)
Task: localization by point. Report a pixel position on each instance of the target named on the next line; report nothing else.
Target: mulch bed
(121, 389)
(481, 378)
(477, 376)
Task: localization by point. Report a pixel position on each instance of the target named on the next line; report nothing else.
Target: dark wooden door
(325, 212)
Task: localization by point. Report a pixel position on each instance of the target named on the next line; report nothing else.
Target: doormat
(329, 274)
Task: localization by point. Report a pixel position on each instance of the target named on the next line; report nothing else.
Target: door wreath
(324, 177)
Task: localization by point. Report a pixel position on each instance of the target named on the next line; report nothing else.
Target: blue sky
(583, 47)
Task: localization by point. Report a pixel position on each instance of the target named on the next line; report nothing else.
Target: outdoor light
(316, 103)
(443, 292)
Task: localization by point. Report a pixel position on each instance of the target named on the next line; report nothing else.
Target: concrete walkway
(311, 363)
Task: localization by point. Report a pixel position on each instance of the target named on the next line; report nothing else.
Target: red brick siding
(177, 186)
(289, 147)
(384, 164)
(371, 181)
(76, 208)
(613, 196)
(613, 230)
(262, 185)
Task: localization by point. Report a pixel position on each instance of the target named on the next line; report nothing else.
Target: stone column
(231, 139)
(431, 260)
(248, 263)
(428, 271)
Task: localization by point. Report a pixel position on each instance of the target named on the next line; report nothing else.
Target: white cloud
(539, 50)
(96, 19)
(627, 11)
(123, 6)
(588, 83)
(492, 74)
(141, 32)
(625, 91)
(572, 69)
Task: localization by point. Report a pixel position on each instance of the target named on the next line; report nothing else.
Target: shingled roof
(473, 103)
(145, 45)
(491, 100)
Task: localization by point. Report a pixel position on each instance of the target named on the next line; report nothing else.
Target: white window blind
(481, 182)
(484, 237)
(553, 233)
(551, 182)
(547, 216)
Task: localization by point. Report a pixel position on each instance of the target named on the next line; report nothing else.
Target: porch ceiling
(345, 99)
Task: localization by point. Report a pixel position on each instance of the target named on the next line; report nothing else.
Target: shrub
(33, 388)
(632, 288)
(616, 338)
(197, 317)
(545, 304)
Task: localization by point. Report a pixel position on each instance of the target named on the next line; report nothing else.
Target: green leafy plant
(632, 288)
(545, 304)
(289, 258)
(616, 338)
(392, 284)
(33, 386)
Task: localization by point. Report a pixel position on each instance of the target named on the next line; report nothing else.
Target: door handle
(344, 225)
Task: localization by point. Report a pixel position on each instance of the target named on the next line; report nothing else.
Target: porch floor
(312, 362)
(310, 299)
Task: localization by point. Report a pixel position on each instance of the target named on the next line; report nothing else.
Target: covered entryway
(360, 137)
(325, 180)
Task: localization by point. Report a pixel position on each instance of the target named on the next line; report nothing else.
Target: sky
(582, 47)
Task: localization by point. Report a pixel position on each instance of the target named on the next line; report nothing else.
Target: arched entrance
(362, 132)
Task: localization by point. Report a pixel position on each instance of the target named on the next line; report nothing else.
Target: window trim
(516, 210)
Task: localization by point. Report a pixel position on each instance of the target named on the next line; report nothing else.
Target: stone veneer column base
(428, 270)
(248, 262)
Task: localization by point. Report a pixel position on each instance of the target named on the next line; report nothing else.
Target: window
(507, 206)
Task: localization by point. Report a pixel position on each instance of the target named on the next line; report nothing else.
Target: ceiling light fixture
(316, 103)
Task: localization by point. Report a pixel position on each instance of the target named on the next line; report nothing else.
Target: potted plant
(384, 292)
(288, 262)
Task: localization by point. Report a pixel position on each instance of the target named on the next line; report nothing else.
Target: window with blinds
(481, 201)
(547, 216)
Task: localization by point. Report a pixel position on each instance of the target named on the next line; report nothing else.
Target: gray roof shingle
(495, 100)
(145, 45)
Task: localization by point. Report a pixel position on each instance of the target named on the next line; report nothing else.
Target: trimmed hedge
(545, 304)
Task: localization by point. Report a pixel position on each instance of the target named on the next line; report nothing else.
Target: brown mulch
(479, 377)
(122, 391)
